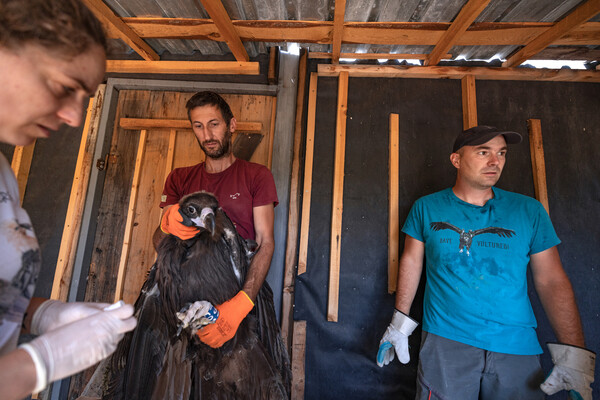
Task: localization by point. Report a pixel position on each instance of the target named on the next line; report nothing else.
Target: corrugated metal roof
(356, 11)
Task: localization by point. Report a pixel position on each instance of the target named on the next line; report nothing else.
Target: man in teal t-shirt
(479, 339)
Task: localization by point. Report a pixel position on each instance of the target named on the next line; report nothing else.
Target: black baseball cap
(481, 134)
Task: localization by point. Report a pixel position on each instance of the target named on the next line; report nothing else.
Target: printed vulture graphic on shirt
(466, 237)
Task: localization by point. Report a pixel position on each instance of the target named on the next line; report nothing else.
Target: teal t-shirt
(476, 265)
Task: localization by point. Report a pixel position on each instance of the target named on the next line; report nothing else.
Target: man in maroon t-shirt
(246, 191)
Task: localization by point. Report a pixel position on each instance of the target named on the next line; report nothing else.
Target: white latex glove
(52, 314)
(396, 338)
(573, 371)
(74, 347)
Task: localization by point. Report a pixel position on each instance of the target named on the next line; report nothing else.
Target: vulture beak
(206, 219)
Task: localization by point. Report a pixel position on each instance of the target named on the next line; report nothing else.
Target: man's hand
(172, 224)
(231, 314)
(78, 345)
(53, 314)
(573, 371)
(396, 338)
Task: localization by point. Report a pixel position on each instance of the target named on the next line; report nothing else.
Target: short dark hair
(208, 98)
(66, 26)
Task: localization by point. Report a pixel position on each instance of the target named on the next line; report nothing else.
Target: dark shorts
(450, 370)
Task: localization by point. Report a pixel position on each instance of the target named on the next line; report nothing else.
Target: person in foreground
(479, 339)
(245, 191)
(52, 57)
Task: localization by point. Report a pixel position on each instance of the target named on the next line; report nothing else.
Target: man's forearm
(258, 270)
(559, 304)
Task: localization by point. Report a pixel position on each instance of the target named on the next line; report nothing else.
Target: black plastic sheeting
(340, 356)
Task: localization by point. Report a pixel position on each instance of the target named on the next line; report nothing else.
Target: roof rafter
(338, 30)
(400, 33)
(116, 25)
(580, 15)
(182, 67)
(463, 20)
(223, 23)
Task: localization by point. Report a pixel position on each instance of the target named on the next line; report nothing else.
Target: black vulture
(163, 357)
(466, 237)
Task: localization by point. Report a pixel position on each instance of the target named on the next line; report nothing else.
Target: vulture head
(198, 210)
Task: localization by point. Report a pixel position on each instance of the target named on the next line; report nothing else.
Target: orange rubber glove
(171, 223)
(231, 314)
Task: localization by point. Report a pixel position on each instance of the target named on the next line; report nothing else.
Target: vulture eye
(191, 209)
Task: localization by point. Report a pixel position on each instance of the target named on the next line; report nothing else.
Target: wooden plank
(308, 171)
(338, 30)
(159, 123)
(538, 163)
(272, 133)
(183, 67)
(394, 205)
(577, 17)
(463, 20)
(272, 73)
(376, 56)
(338, 199)
(291, 247)
(124, 32)
(484, 73)
(130, 215)
(391, 33)
(298, 357)
(221, 19)
(81, 177)
(21, 164)
(469, 102)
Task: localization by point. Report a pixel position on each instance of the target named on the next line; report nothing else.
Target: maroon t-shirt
(238, 189)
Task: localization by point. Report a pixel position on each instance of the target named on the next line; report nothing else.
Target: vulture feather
(163, 357)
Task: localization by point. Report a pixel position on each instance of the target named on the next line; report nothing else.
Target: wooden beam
(375, 56)
(338, 199)
(291, 248)
(81, 178)
(221, 19)
(510, 74)
(469, 102)
(394, 204)
(124, 32)
(135, 185)
(308, 171)
(538, 163)
(463, 20)
(580, 15)
(271, 132)
(298, 356)
(389, 33)
(158, 123)
(272, 73)
(21, 164)
(182, 67)
(338, 30)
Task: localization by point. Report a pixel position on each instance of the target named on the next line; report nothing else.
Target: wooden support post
(298, 356)
(272, 133)
(21, 164)
(272, 73)
(308, 170)
(338, 199)
(291, 250)
(538, 163)
(130, 215)
(394, 208)
(83, 167)
(469, 102)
